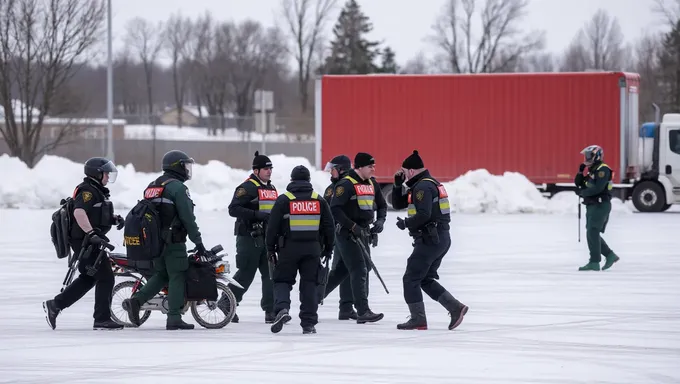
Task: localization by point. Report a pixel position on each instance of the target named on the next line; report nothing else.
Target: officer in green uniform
(177, 219)
(251, 206)
(595, 189)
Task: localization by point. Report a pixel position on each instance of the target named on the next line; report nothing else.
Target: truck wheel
(649, 196)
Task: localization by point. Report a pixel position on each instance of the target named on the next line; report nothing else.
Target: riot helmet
(592, 154)
(96, 167)
(179, 163)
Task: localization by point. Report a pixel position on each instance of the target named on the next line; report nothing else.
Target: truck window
(674, 140)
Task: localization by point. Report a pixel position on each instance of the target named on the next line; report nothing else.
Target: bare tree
(575, 57)
(179, 44)
(598, 46)
(418, 65)
(42, 46)
(305, 27)
(500, 44)
(646, 53)
(668, 11)
(145, 41)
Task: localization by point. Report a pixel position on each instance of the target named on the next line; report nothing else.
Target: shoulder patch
(240, 191)
(187, 191)
(339, 191)
(600, 174)
(87, 196)
(329, 192)
(419, 195)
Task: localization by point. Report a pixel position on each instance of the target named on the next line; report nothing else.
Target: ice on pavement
(533, 317)
(213, 185)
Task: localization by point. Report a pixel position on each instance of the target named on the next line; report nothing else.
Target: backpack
(142, 236)
(60, 229)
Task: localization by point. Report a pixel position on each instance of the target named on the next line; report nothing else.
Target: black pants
(354, 267)
(286, 270)
(103, 281)
(421, 269)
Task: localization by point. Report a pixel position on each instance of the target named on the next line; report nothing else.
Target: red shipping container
(534, 124)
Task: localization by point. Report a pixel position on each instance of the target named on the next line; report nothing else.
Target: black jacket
(244, 205)
(93, 198)
(278, 224)
(345, 208)
(423, 192)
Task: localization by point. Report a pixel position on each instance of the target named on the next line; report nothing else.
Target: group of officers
(299, 230)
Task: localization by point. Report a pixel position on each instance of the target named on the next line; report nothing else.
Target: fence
(144, 145)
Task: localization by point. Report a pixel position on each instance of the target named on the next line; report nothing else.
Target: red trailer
(532, 123)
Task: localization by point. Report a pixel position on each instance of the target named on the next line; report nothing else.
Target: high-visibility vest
(304, 218)
(610, 185)
(442, 198)
(265, 197)
(365, 194)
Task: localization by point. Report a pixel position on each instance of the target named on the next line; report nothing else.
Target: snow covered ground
(172, 132)
(533, 318)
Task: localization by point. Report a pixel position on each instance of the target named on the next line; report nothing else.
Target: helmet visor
(329, 167)
(112, 171)
(189, 168)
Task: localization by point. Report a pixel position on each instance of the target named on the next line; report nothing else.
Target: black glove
(94, 238)
(261, 216)
(401, 223)
(119, 221)
(272, 257)
(326, 256)
(399, 178)
(579, 180)
(200, 250)
(581, 168)
(378, 226)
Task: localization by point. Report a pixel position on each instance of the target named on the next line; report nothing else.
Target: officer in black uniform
(338, 167)
(428, 223)
(301, 230)
(93, 218)
(251, 206)
(353, 206)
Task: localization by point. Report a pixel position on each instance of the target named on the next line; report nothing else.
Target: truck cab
(657, 185)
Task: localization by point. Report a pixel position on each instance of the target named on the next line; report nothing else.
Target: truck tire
(649, 196)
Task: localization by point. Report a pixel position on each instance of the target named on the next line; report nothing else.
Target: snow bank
(212, 187)
(170, 132)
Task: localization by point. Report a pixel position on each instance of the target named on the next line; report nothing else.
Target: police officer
(338, 167)
(251, 206)
(595, 189)
(353, 206)
(428, 223)
(300, 227)
(177, 219)
(93, 215)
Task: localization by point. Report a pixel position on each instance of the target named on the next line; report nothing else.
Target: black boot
(235, 318)
(269, 317)
(418, 319)
(456, 309)
(281, 318)
(347, 315)
(177, 323)
(369, 317)
(308, 329)
(51, 313)
(106, 324)
(132, 306)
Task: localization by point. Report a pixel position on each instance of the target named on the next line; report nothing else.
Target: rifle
(86, 248)
(368, 259)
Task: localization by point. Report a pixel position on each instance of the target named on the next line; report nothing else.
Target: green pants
(597, 216)
(251, 256)
(171, 270)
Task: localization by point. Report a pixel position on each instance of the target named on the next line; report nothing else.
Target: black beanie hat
(300, 173)
(261, 161)
(413, 161)
(363, 159)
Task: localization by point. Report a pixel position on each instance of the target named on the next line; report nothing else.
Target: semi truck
(535, 124)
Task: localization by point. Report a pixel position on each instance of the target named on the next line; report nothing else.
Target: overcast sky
(403, 24)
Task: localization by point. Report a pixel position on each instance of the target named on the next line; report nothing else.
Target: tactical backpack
(142, 236)
(60, 229)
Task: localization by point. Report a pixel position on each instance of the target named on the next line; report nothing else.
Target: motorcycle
(227, 300)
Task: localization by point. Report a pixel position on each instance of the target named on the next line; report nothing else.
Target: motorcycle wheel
(121, 316)
(223, 292)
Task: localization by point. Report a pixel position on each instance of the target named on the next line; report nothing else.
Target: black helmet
(341, 162)
(178, 162)
(96, 167)
(300, 173)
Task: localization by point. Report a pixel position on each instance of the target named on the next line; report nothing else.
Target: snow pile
(479, 191)
(213, 184)
(171, 132)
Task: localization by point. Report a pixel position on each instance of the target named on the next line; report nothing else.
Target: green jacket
(176, 205)
(598, 183)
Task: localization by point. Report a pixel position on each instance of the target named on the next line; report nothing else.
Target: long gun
(579, 219)
(369, 261)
